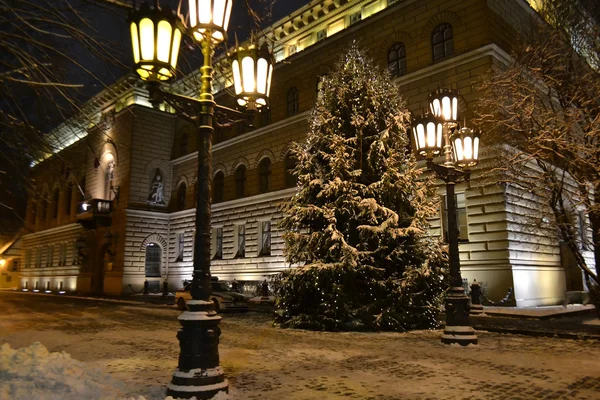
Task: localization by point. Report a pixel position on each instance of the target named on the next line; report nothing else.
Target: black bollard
(476, 307)
(165, 289)
(146, 286)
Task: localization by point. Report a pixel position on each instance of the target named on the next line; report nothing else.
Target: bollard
(165, 289)
(476, 307)
(146, 286)
(264, 290)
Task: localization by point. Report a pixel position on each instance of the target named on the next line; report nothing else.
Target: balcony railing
(94, 211)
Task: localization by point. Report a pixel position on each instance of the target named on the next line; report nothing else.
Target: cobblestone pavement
(137, 344)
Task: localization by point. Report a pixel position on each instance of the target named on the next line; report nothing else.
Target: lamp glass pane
(468, 150)
(454, 108)
(218, 36)
(435, 108)
(476, 148)
(163, 41)
(446, 108)
(431, 134)
(175, 50)
(135, 43)
(237, 79)
(261, 75)
(262, 102)
(227, 14)
(219, 12)
(242, 102)
(248, 74)
(439, 136)
(421, 135)
(204, 11)
(269, 79)
(458, 148)
(147, 38)
(193, 13)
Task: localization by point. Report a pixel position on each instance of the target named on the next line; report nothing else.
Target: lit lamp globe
(465, 145)
(444, 104)
(209, 19)
(252, 72)
(155, 39)
(427, 132)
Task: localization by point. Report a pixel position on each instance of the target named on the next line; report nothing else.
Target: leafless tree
(542, 115)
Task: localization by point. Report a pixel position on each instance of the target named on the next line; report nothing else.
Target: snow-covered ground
(126, 351)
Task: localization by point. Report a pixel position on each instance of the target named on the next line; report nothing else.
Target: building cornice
(130, 212)
(247, 136)
(63, 228)
(259, 198)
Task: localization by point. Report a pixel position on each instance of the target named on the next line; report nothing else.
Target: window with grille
(218, 187)
(240, 181)
(219, 244)
(442, 42)
(153, 255)
(356, 17)
(461, 216)
(290, 162)
(69, 195)
(55, 199)
(180, 246)
(293, 104)
(241, 241)
(265, 116)
(264, 174)
(181, 195)
(292, 49)
(397, 59)
(183, 145)
(15, 265)
(265, 248)
(321, 35)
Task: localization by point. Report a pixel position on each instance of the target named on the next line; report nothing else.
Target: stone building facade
(135, 166)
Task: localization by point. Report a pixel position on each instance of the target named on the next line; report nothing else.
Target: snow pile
(35, 373)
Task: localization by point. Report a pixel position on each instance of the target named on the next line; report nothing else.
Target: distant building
(117, 200)
(10, 263)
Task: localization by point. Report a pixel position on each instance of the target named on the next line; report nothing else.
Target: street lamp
(156, 36)
(461, 152)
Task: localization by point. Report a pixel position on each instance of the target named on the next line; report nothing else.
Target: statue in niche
(156, 190)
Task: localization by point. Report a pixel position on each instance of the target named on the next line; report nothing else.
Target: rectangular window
(583, 231)
(241, 241)
(265, 238)
(461, 215)
(321, 35)
(356, 17)
(27, 258)
(49, 256)
(292, 49)
(64, 255)
(60, 254)
(180, 246)
(219, 244)
(15, 265)
(75, 254)
(38, 257)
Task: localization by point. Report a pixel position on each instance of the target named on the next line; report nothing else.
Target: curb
(560, 335)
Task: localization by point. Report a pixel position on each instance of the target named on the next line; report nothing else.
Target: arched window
(218, 187)
(397, 59)
(264, 174)
(442, 42)
(55, 200)
(292, 101)
(43, 206)
(153, 256)
(290, 163)
(240, 181)
(183, 145)
(181, 194)
(109, 177)
(68, 198)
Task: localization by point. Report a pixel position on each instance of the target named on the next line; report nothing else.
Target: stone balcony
(94, 213)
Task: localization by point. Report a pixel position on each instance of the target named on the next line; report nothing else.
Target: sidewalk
(571, 322)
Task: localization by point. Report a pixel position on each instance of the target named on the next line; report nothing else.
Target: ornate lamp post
(156, 35)
(438, 133)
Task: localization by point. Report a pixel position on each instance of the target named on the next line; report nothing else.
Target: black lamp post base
(198, 373)
(458, 329)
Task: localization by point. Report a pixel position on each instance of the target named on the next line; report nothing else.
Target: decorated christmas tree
(357, 226)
